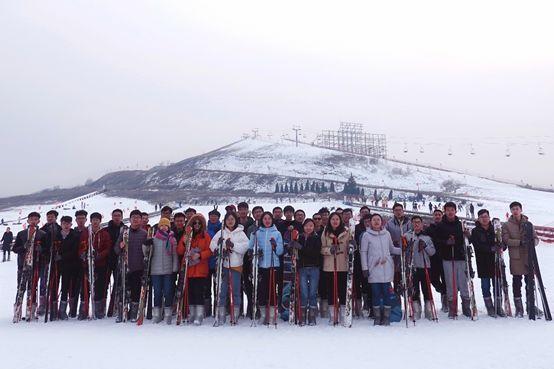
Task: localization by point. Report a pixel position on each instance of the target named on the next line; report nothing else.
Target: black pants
(6, 253)
(196, 290)
(420, 285)
(133, 280)
(437, 274)
(341, 281)
(100, 283)
(361, 285)
(70, 284)
(247, 285)
(517, 283)
(265, 291)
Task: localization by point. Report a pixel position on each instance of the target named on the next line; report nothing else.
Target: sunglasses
(196, 223)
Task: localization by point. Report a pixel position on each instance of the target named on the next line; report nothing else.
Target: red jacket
(102, 243)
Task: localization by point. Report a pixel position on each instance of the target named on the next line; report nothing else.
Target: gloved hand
(229, 244)
(365, 273)
(421, 245)
(333, 249)
(273, 243)
(294, 235)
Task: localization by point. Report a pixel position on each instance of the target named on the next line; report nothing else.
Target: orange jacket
(201, 242)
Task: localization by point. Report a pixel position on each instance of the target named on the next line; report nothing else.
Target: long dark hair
(262, 219)
(329, 229)
(227, 216)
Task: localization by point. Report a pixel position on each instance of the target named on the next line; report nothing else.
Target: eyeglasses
(196, 223)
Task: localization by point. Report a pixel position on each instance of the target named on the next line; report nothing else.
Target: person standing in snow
(135, 265)
(234, 246)
(270, 248)
(361, 290)
(483, 238)
(114, 228)
(398, 226)
(323, 293)
(451, 245)
(163, 266)
(437, 270)
(51, 228)
(69, 263)
(334, 248)
(7, 239)
(420, 249)
(519, 255)
(214, 226)
(376, 252)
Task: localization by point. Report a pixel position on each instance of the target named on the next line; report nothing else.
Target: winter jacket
(342, 252)
(240, 241)
(102, 244)
(20, 245)
(264, 236)
(201, 244)
(484, 243)
(396, 229)
(135, 255)
(511, 237)
(7, 240)
(310, 253)
(69, 251)
(247, 224)
(443, 231)
(114, 232)
(213, 228)
(164, 259)
(376, 252)
(420, 259)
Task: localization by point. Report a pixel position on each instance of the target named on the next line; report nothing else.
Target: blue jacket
(264, 236)
(213, 228)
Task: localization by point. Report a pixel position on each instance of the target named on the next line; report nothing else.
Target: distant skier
(7, 239)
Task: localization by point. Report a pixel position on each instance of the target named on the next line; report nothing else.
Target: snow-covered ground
(486, 343)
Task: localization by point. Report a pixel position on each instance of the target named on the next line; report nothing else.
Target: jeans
(309, 280)
(380, 293)
(486, 287)
(225, 286)
(164, 288)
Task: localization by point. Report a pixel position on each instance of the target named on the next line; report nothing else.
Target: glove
(273, 244)
(229, 244)
(333, 250)
(421, 245)
(294, 235)
(365, 273)
(149, 242)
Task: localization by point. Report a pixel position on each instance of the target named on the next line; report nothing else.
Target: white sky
(87, 87)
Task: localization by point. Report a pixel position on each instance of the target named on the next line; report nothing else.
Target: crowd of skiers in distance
(328, 265)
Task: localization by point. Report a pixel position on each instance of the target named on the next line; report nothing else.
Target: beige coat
(511, 237)
(342, 254)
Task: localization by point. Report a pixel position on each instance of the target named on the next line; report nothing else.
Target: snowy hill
(251, 168)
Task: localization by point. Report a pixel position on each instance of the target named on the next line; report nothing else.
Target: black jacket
(21, 241)
(114, 232)
(69, 251)
(7, 240)
(484, 242)
(310, 253)
(444, 230)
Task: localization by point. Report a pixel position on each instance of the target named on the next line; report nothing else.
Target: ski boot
(428, 311)
(41, 306)
(62, 312)
(499, 311)
(342, 315)
(466, 307)
(82, 313)
(72, 307)
(263, 315)
(236, 315)
(324, 309)
(157, 315)
(417, 309)
(312, 313)
(221, 316)
(199, 316)
(208, 307)
(519, 307)
(168, 315)
(452, 310)
(386, 316)
(490, 307)
(445, 303)
(377, 318)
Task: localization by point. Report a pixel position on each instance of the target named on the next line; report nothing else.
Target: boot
(466, 308)
(377, 318)
(386, 316)
(499, 311)
(207, 307)
(101, 309)
(324, 309)
(490, 307)
(342, 314)
(192, 314)
(156, 315)
(9, 255)
(119, 318)
(452, 309)
(41, 306)
(312, 313)
(444, 303)
(4, 258)
(428, 310)
(133, 312)
(199, 316)
(221, 315)
(302, 319)
(236, 314)
(272, 316)
(168, 315)
(358, 312)
(62, 312)
(82, 314)
(72, 307)
(417, 309)
(54, 311)
(519, 307)
(263, 315)
(366, 303)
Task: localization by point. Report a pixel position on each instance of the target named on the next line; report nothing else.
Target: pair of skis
(145, 281)
(471, 288)
(27, 282)
(500, 282)
(181, 296)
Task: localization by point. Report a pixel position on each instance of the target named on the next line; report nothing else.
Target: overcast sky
(87, 87)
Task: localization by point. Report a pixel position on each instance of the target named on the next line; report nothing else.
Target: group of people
(342, 264)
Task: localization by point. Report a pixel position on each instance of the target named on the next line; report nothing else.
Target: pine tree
(276, 187)
(307, 186)
(332, 187)
(287, 188)
(317, 188)
(301, 187)
(282, 189)
(296, 187)
(323, 188)
(351, 188)
(312, 188)
(362, 192)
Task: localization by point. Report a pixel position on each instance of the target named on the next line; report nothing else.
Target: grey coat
(164, 259)
(419, 256)
(376, 252)
(135, 255)
(396, 230)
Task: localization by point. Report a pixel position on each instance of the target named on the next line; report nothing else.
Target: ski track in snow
(487, 343)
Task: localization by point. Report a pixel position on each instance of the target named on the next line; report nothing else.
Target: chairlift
(541, 150)
(405, 148)
(450, 151)
(472, 150)
(421, 150)
(508, 153)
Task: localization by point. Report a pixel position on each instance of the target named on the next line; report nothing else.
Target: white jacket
(238, 237)
(375, 253)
